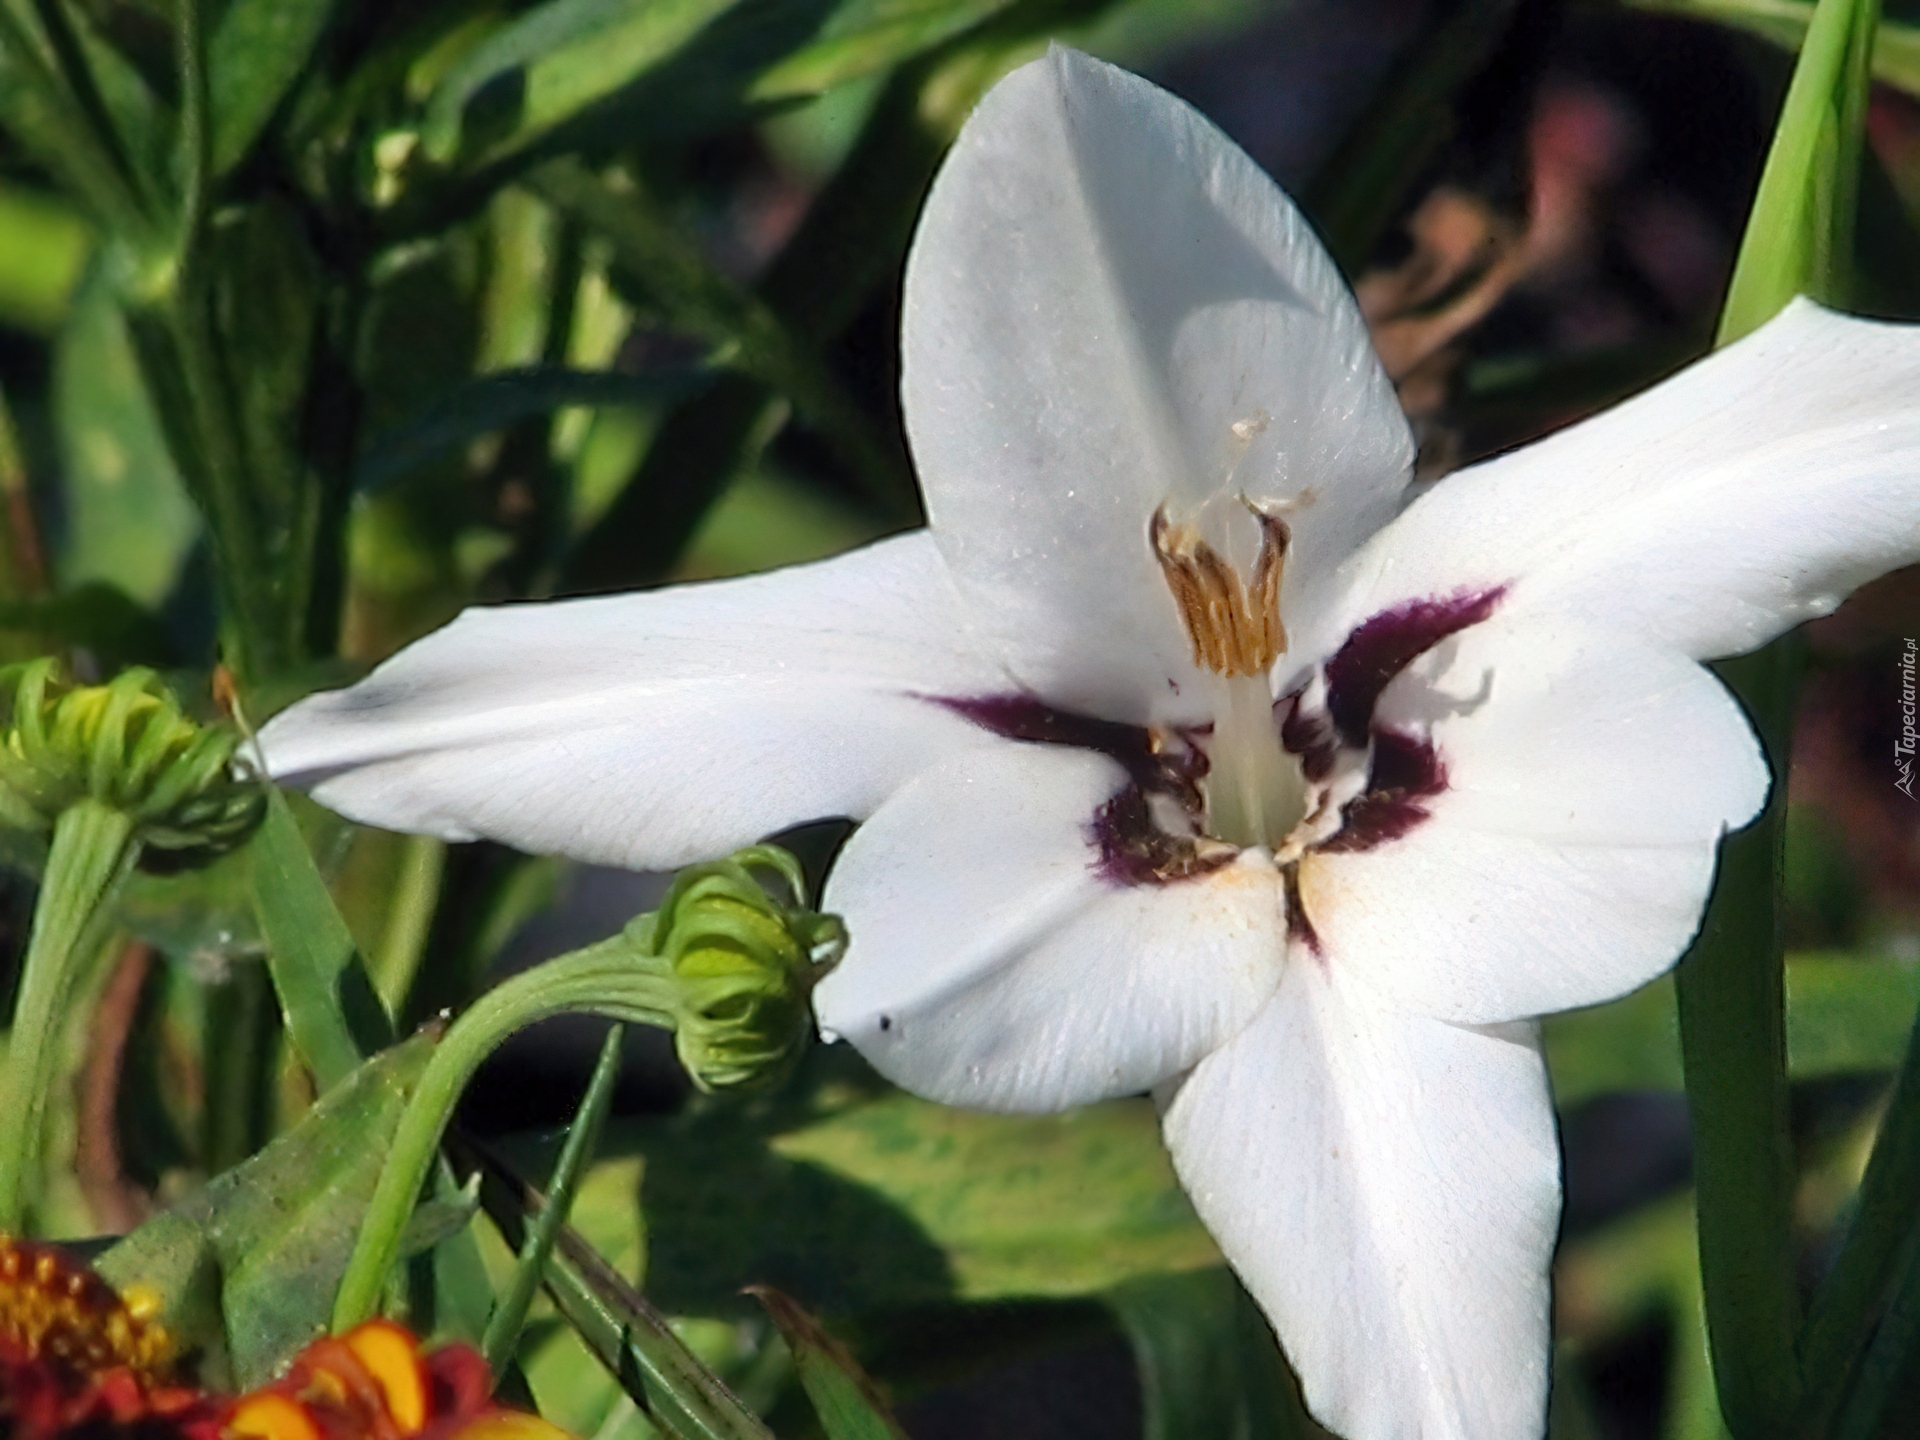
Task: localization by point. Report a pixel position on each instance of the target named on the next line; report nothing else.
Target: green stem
(583, 1138)
(93, 849)
(196, 133)
(604, 979)
(1732, 1008)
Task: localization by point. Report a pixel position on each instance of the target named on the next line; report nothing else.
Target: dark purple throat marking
(1386, 644)
(1405, 770)
(1134, 850)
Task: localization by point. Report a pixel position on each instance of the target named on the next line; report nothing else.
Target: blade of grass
(627, 1335)
(331, 1011)
(583, 1138)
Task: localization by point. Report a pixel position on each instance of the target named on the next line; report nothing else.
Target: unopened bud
(126, 745)
(744, 965)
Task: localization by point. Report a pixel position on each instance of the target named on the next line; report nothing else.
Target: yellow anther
(1234, 628)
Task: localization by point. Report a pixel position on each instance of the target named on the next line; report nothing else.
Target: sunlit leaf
(129, 521)
(43, 250)
(271, 1237)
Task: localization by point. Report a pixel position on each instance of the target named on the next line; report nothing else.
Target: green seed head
(744, 965)
(127, 745)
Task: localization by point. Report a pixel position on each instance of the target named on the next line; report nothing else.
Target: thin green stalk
(603, 979)
(196, 130)
(93, 848)
(1732, 1007)
(583, 1138)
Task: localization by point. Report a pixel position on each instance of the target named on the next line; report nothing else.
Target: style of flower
(1191, 757)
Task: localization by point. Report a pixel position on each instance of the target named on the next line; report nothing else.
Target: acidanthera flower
(1188, 759)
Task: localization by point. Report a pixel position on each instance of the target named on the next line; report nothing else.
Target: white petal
(1102, 287)
(655, 729)
(1568, 860)
(1752, 491)
(992, 964)
(1387, 1187)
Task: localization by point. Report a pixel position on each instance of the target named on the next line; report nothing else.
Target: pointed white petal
(1387, 1187)
(655, 729)
(1588, 783)
(1752, 491)
(991, 962)
(1103, 286)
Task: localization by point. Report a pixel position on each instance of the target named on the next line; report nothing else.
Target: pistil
(1255, 791)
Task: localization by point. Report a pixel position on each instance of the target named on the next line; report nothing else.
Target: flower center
(1255, 792)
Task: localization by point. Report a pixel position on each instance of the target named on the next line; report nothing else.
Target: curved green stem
(93, 849)
(606, 979)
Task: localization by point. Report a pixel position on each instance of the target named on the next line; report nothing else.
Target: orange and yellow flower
(79, 1359)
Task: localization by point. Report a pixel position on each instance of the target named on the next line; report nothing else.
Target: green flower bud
(743, 966)
(125, 745)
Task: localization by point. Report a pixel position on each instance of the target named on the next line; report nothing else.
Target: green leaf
(862, 37)
(1846, 1015)
(99, 617)
(666, 270)
(671, 67)
(848, 1403)
(1208, 1363)
(889, 1200)
(496, 401)
(631, 1339)
(1896, 49)
(331, 1011)
(256, 52)
(129, 521)
(549, 64)
(44, 247)
(274, 1233)
(1799, 236)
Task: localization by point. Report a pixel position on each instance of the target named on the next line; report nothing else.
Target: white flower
(1188, 760)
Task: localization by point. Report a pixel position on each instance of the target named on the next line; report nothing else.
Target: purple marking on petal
(1405, 763)
(1311, 737)
(1021, 717)
(1386, 644)
(1135, 851)
(1405, 772)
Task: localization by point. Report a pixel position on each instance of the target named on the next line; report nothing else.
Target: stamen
(1234, 629)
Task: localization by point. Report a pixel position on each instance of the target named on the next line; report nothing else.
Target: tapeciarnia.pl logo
(1903, 748)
